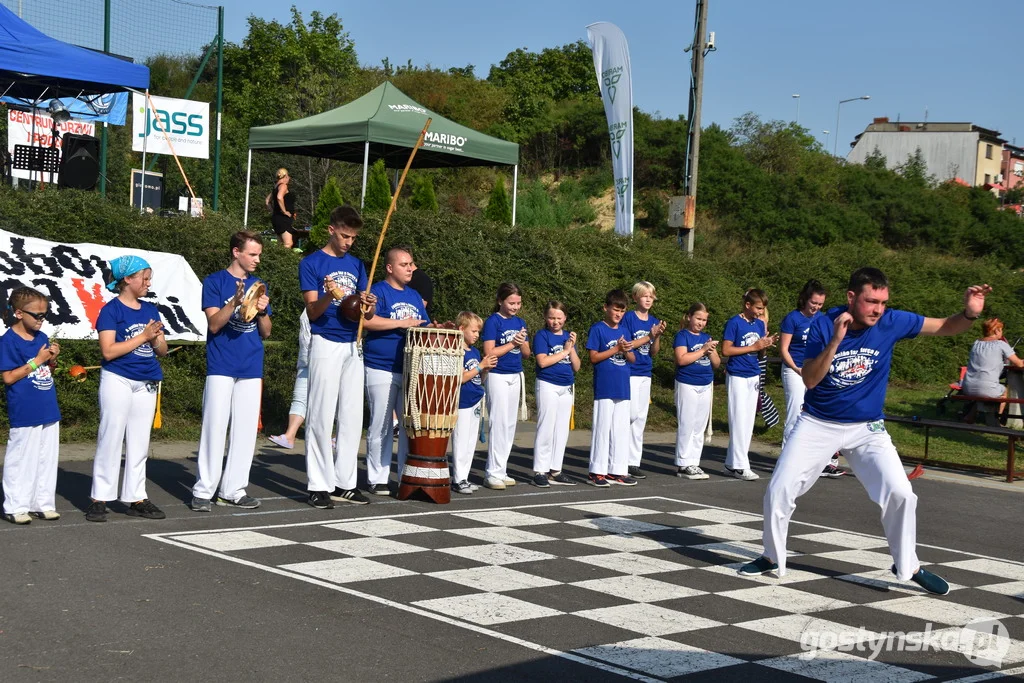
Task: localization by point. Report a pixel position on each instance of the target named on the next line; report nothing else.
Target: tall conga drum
(432, 379)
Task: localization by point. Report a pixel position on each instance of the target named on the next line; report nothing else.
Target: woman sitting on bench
(989, 356)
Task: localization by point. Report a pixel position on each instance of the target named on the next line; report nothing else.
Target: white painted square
(369, 546)
(347, 570)
(720, 516)
(618, 525)
(652, 620)
(801, 628)
(494, 579)
(843, 666)
(487, 608)
(792, 575)
(1007, 650)
(379, 527)
(929, 609)
(659, 657)
(844, 540)
(497, 553)
(638, 588)
(1014, 589)
(725, 532)
(495, 534)
(614, 509)
(624, 544)
(866, 558)
(630, 563)
(228, 541)
(1007, 570)
(785, 599)
(504, 518)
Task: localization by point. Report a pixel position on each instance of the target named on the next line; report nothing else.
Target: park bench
(1011, 434)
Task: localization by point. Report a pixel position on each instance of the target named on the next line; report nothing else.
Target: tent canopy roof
(391, 122)
(31, 62)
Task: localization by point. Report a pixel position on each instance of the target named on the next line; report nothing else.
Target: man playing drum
(238, 320)
(398, 308)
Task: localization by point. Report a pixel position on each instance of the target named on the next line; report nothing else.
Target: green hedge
(469, 257)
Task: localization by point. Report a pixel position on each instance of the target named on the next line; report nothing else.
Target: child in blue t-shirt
(557, 364)
(645, 332)
(745, 335)
(27, 358)
(696, 361)
(471, 395)
(505, 337)
(131, 337)
(610, 353)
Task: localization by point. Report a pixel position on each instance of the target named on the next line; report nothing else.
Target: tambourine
(247, 309)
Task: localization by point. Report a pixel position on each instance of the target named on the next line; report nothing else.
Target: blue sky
(956, 60)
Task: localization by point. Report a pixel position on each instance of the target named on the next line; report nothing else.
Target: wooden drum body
(432, 379)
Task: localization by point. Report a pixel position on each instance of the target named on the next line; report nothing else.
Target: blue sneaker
(761, 565)
(930, 582)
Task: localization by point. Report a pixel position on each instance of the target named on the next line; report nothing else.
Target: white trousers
(554, 406)
(383, 389)
(463, 442)
(235, 402)
(639, 405)
(126, 419)
(609, 443)
(335, 394)
(742, 411)
(693, 407)
(875, 463)
(299, 392)
(793, 386)
(30, 469)
(502, 415)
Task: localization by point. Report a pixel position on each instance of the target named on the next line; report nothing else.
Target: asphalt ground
(88, 601)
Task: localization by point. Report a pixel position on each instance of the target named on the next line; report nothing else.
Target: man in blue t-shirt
(326, 277)
(398, 308)
(846, 369)
(234, 379)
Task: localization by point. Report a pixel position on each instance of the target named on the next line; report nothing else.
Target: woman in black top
(281, 203)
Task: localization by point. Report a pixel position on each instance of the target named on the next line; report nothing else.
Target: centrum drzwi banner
(35, 128)
(611, 61)
(74, 277)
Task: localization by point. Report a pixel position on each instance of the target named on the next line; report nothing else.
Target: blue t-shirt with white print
(127, 323)
(547, 342)
(743, 332)
(473, 390)
(853, 389)
(611, 376)
(798, 325)
(501, 331)
(699, 373)
(32, 400)
(236, 350)
(350, 274)
(385, 349)
(638, 329)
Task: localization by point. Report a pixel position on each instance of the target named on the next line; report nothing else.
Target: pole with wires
(699, 48)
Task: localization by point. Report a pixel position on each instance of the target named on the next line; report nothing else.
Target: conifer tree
(423, 196)
(498, 208)
(330, 198)
(378, 189)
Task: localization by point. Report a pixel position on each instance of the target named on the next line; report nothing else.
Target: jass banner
(181, 125)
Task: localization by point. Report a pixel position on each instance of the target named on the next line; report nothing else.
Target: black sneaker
(636, 472)
(353, 496)
(378, 490)
(930, 582)
(246, 502)
(540, 480)
(560, 479)
(97, 511)
(320, 500)
(621, 480)
(145, 509)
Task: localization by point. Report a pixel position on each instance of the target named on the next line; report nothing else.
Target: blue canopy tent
(34, 66)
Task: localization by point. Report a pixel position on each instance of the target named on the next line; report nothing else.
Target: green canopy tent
(383, 124)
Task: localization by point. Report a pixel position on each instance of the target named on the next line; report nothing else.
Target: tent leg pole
(248, 176)
(366, 165)
(515, 185)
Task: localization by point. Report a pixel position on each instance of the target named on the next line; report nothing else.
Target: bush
(498, 208)
(330, 198)
(423, 197)
(378, 189)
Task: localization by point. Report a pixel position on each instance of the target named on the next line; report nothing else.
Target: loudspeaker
(79, 162)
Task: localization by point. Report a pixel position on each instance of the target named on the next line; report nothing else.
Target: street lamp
(825, 133)
(797, 98)
(835, 146)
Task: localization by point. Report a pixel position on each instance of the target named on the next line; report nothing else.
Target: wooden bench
(962, 398)
(1011, 434)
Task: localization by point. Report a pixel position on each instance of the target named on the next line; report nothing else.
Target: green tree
(330, 198)
(498, 208)
(423, 196)
(915, 170)
(876, 160)
(378, 190)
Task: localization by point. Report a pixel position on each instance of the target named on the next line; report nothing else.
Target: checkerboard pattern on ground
(648, 588)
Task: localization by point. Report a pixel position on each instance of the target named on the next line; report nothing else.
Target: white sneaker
(509, 481)
(691, 472)
(494, 483)
(745, 475)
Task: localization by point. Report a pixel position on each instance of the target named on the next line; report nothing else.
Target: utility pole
(699, 49)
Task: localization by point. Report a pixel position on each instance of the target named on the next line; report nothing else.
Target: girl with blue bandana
(131, 337)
